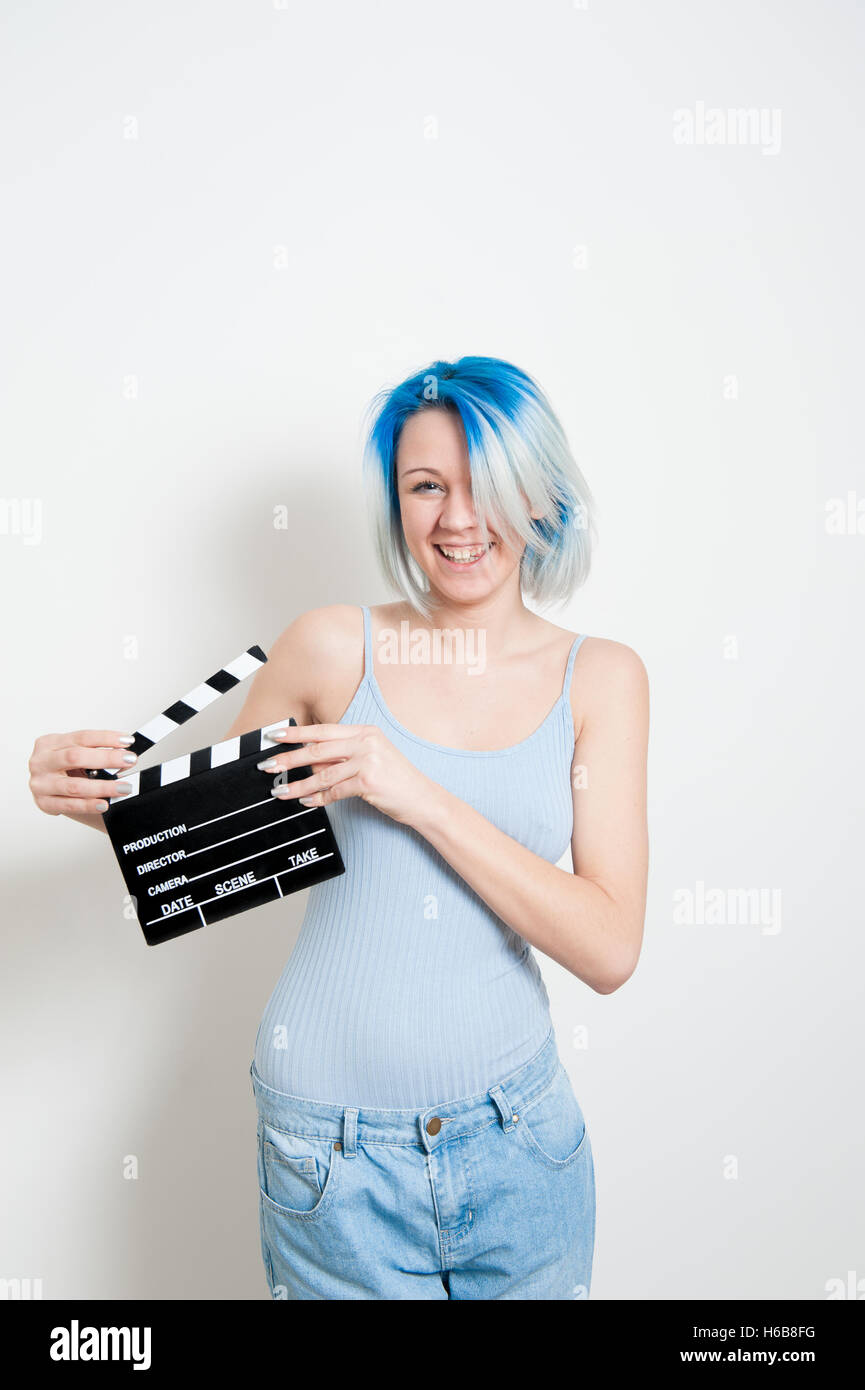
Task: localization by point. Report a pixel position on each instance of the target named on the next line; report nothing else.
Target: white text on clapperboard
(231, 885)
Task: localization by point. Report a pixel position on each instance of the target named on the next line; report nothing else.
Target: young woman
(418, 1135)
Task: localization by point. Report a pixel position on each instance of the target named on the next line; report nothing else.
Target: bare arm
(315, 663)
(311, 651)
(591, 920)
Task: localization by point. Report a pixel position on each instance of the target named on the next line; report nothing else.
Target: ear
(535, 516)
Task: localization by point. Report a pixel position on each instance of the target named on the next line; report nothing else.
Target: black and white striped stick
(217, 754)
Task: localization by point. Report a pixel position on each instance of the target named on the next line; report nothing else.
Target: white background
(254, 217)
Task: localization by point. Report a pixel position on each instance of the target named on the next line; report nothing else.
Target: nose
(458, 513)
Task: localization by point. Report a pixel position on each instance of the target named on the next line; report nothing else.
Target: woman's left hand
(349, 760)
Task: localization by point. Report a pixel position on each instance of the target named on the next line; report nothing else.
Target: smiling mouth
(464, 556)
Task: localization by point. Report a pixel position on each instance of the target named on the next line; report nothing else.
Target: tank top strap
(367, 643)
(575, 647)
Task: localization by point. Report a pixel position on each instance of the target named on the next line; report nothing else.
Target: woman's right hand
(58, 781)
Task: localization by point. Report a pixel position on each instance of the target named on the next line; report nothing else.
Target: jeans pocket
(297, 1174)
(553, 1126)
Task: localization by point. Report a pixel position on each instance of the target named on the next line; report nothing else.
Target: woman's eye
(428, 482)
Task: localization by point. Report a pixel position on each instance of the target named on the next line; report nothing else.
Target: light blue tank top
(404, 988)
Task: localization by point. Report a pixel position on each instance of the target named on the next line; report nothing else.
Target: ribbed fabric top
(404, 988)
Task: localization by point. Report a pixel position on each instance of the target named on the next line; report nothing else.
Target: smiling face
(438, 518)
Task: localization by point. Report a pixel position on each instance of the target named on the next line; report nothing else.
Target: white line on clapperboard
(254, 831)
(275, 877)
(222, 896)
(245, 860)
(239, 812)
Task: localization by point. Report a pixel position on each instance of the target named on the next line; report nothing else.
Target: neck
(502, 615)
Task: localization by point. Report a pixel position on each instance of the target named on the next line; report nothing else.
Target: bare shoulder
(611, 678)
(328, 631)
(323, 648)
(312, 670)
(611, 661)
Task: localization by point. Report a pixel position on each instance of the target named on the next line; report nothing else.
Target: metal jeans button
(434, 1125)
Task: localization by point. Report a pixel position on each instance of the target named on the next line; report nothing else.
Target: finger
(312, 733)
(86, 738)
(77, 789)
(340, 792)
(322, 780)
(59, 806)
(76, 760)
(302, 757)
(48, 758)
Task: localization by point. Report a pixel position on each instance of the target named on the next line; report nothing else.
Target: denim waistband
(351, 1125)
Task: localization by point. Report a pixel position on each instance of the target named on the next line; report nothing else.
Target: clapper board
(201, 838)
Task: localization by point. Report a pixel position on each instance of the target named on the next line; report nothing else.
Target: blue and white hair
(517, 452)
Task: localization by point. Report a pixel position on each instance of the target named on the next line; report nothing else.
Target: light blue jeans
(492, 1196)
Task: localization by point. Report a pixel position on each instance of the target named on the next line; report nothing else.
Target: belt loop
(503, 1105)
(349, 1133)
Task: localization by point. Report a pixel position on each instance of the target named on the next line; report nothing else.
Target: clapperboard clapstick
(200, 838)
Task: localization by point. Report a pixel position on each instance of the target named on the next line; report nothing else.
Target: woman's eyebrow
(405, 472)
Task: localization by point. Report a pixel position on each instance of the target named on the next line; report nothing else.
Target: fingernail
(307, 801)
(102, 805)
(125, 738)
(129, 758)
(280, 790)
(269, 766)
